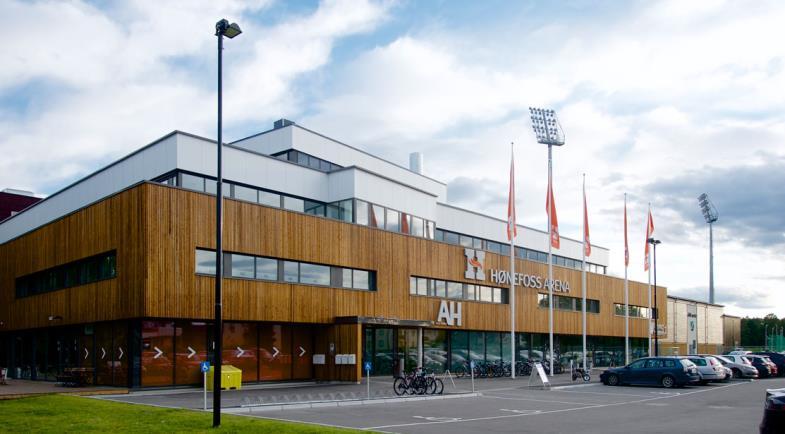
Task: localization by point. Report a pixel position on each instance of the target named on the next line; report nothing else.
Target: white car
(739, 353)
(740, 365)
(709, 368)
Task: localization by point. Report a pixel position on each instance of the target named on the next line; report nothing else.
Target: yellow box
(231, 378)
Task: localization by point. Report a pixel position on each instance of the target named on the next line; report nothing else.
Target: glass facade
(81, 272)
(457, 290)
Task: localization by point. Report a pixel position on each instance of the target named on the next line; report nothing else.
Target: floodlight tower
(711, 215)
(549, 132)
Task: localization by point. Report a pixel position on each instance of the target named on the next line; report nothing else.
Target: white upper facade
(250, 162)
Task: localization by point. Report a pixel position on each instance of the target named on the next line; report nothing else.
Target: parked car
(739, 353)
(741, 369)
(763, 367)
(777, 358)
(708, 368)
(774, 412)
(665, 371)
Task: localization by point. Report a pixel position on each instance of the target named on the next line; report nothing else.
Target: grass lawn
(60, 413)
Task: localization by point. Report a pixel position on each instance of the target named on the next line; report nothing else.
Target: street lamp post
(710, 214)
(222, 28)
(549, 132)
(654, 243)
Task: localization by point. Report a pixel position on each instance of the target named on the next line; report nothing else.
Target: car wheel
(612, 380)
(668, 382)
(736, 373)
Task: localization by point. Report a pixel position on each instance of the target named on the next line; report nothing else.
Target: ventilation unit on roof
(415, 162)
(280, 123)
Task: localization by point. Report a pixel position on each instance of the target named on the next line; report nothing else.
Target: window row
(575, 304)
(635, 311)
(377, 216)
(81, 272)
(456, 290)
(307, 160)
(280, 270)
(520, 252)
(349, 210)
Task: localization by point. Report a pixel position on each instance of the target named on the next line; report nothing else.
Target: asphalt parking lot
(733, 407)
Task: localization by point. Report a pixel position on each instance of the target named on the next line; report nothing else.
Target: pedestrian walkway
(24, 388)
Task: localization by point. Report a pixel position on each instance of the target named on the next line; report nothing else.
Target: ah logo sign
(450, 313)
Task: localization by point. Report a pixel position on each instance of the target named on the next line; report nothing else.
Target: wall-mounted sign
(475, 264)
(318, 359)
(450, 313)
(502, 277)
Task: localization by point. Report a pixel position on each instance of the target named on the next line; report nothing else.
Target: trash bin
(231, 378)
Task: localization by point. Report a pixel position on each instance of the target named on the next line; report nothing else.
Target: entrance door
(302, 349)
(275, 352)
(239, 348)
(190, 340)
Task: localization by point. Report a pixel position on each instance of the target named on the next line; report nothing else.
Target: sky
(662, 101)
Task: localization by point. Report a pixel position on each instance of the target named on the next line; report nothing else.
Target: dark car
(777, 358)
(760, 363)
(774, 412)
(664, 371)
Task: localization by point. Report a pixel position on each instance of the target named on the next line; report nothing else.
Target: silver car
(709, 368)
(739, 365)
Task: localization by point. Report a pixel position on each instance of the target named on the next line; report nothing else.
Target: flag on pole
(587, 243)
(512, 229)
(550, 208)
(626, 246)
(649, 233)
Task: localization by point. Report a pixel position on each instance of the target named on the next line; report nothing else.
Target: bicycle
(419, 382)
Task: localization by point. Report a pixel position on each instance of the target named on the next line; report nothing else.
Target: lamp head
(546, 126)
(229, 30)
(654, 242)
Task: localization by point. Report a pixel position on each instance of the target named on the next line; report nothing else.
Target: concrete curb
(344, 403)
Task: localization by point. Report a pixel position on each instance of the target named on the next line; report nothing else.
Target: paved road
(718, 408)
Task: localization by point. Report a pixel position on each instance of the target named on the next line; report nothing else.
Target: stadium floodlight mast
(710, 214)
(549, 132)
(654, 243)
(222, 28)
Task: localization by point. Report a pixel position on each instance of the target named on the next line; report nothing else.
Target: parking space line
(485, 395)
(507, 416)
(603, 393)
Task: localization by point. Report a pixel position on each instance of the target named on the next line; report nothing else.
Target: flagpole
(511, 229)
(648, 266)
(626, 291)
(583, 273)
(550, 257)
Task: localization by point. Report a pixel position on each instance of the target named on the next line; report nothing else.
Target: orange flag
(550, 208)
(649, 233)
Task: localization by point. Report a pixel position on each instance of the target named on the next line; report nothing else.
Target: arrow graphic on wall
(121, 352)
(240, 352)
(85, 353)
(302, 351)
(191, 352)
(275, 352)
(157, 350)
(103, 353)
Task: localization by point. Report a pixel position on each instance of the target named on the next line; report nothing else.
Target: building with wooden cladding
(333, 257)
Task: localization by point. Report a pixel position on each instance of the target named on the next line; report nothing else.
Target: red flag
(626, 247)
(649, 233)
(587, 243)
(512, 229)
(550, 208)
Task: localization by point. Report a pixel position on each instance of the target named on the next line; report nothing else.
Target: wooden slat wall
(114, 223)
(181, 221)
(156, 230)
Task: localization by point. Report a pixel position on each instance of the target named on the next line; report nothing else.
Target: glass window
(477, 346)
(505, 249)
(270, 199)
(654, 363)
(291, 271)
(245, 193)
(413, 285)
(302, 159)
(241, 266)
(361, 217)
(669, 363)
(191, 182)
(439, 235)
(477, 243)
(497, 295)
(542, 300)
(392, 221)
(454, 290)
(324, 165)
(346, 277)
(493, 346)
(470, 293)
(362, 279)
(486, 294)
(406, 223)
(564, 303)
(441, 289)
(434, 345)
(314, 208)
(429, 229)
(376, 216)
(314, 274)
(266, 269)
(205, 262)
(638, 364)
(418, 228)
(459, 349)
(593, 306)
(106, 270)
(559, 260)
(333, 212)
(493, 246)
(293, 204)
(520, 252)
(451, 237)
(465, 241)
(345, 210)
(314, 163)
(619, 309)
(422, 286)
(209, 187)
